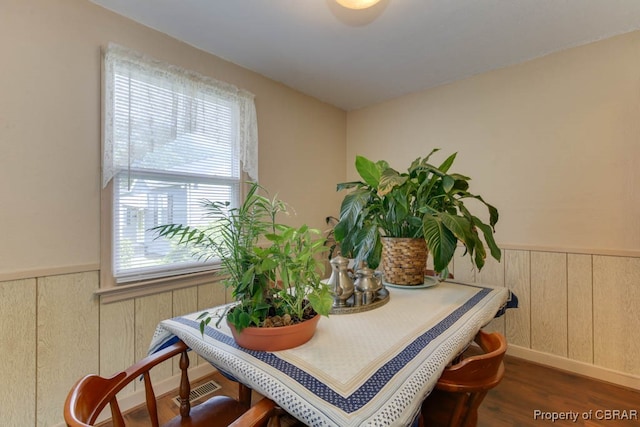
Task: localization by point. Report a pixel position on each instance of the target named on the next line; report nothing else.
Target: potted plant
(426, 204)
(274, 270)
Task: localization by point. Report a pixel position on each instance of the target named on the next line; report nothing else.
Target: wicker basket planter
(404, 260)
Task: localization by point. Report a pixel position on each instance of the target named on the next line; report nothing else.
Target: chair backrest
(463, 385)
(91, 394)
(478, 372)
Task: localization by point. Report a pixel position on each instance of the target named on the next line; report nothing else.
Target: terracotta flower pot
(277, 338)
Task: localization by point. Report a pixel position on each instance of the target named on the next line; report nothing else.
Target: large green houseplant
(274, 270)
(425, 202)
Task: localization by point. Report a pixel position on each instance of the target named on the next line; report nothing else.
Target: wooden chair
(463, 386)
(93, 393)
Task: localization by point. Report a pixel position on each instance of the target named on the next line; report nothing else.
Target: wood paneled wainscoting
(576, 313)
(53, 330)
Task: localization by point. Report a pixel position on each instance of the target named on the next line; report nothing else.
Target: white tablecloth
(366, 369)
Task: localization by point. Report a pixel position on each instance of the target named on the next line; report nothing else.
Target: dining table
(367, 368)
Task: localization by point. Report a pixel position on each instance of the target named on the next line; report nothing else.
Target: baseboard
(581, 368)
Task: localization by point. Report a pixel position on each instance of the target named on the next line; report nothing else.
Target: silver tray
(382, 297)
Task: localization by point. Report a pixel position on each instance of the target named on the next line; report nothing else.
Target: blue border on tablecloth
(376, 381)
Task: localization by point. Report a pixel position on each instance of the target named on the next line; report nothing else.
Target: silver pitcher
(341, 280)
(368, 283)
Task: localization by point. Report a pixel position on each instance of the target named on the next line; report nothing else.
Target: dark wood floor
(525, 389)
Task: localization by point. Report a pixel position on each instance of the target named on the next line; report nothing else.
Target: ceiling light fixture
(357, 4)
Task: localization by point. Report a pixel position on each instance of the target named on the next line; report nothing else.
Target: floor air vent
(200, 391)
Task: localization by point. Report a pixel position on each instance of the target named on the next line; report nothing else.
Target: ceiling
(353, 59)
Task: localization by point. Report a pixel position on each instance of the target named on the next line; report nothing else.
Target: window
(172, 139)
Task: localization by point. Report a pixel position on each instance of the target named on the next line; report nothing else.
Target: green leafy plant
(426, 201)
(273, 269)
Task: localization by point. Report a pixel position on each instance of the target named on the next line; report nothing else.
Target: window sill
(156, 286)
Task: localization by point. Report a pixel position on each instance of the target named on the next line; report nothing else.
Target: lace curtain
(175, 78)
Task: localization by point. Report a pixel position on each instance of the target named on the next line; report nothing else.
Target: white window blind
(173, 139)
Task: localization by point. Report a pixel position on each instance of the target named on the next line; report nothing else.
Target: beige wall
(554, 143)
(53, 329)
(50, 130)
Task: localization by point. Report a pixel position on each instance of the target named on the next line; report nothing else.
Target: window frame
(110, 290)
